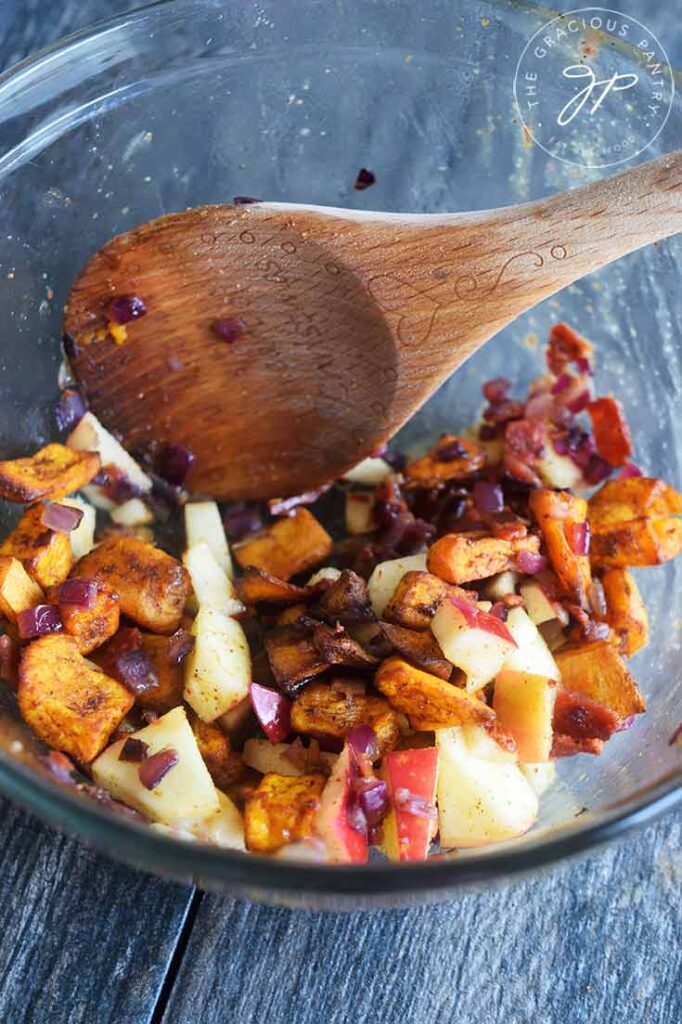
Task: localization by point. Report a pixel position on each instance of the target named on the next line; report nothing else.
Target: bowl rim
(222, 868)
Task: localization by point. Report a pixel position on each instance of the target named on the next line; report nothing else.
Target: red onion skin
(136, 671)
(273, 711)
(39, 621)
(529, 563)
(362, 739)
(372, 798)
(155, 767)
(488, 497)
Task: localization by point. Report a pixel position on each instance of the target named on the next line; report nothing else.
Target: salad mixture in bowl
(393, 664)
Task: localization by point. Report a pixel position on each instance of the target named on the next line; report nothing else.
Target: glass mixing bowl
(199, 100)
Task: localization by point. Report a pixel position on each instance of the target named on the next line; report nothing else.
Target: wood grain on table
(86, 941)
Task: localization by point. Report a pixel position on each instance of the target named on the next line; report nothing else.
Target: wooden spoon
(351, 319)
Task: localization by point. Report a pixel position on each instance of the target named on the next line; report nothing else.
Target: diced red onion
(597, 599)
(363, 740)
(529, 562)
(115, 484)
(584, 365)
(496, 390)
(596, 470)
(70, 410)
(62, 518)
(562, 382)
(124, 308)
(134, 750)
(245, 200)
(578, 537)
(39, 621)
(273, 711)
(182, 644)
(283, 506)
(488, 497)
(173, 463)
(60, 766)
(450, 451)
(410, 803)
(629, 470)
(349, 687)
(77, 593)
(136, 670)
(9, 660)
(228, 328)
(356, 819)
(539, 407)
(371, 796)
(241, 518)
(580, 402)
(500, 610)
(155, 767)
(364, 179)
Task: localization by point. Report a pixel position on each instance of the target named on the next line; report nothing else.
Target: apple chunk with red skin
(345, 845)
(273, 711)
(472, 640)
(524, 705)
(407, 836)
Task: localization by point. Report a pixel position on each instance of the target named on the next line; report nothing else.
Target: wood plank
(81, 938)
(594, 941)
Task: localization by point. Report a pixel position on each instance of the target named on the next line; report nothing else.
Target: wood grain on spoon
(352, 319)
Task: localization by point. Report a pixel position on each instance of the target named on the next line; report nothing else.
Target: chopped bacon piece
(566, 346)
(524, 446)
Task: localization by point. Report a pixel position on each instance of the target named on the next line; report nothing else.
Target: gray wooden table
(85, 940)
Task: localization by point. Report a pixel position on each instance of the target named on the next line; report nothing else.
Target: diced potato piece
(415, 600)
(287, 547)
(439, 465)
(619, 501)
(462, 557)
(255, 586)
(386, 576)
(557, 514)
(371, 472)
(611, 432)
(359, 513)
(90, 627)
(18, 591)
(626, 613)
(133, 512)
(638, 543)
(419, 647)
(321, 711)
(152, 586)
(218, 671)
(266, 757)
(293, 656)
(90, 436)
(531, 653)
(212, 588)
(224, 764)
(67, 703)
(51, 473)
(203, 523)
(185, 793)
(83, 537)
(483, 796)
(428, 701)
(597, 670)
(282, 810)
(524, 705)
(46, 554)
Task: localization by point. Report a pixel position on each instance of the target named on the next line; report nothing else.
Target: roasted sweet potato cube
(289, 546)
(625, 611)
(428, 702)
(562, 519)
(292, 613)
(293, 656)
(346, 601)
(52, 472)
(18, 590)
(452, 458)
(639, 542)
(45, 554)
(611, 432)
(90, 627)
(256, 585)
(162, 652)
(224, 764)
(566, 346)
(152, 586)
(462, 558)
(415, 600)
(281, 810)
(321, 711)
(419, 647)
(336, 647)
(619, 501)
(67, 703)
(597, 670)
